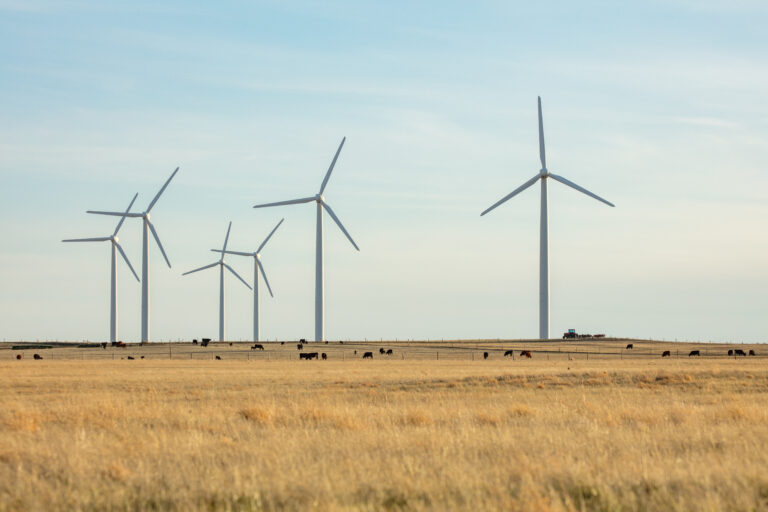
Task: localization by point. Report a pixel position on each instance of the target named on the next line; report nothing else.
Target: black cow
(739, 352)
(37, 356)
(485, 355)
(324, 356)
(389, 352)
(18, 356)
(300, 346)
(730, 352)
(326, 342)
(205, 342)
(308, 355)
(131, 358)
(302, 340)
(694, 353)
(282, 343)
(257, 346)
(304, 355)
(194, 342)
(526, 353)
(341, 342)
(218, 358)
(368, 355)
(666, 353)
(142, 357)
(752, 353)
(381, 351)
(509, 353)
(630, 346)
(104, 346)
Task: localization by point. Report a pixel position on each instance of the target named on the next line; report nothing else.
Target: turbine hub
(319, 198)
(146, 215)
(115, 239)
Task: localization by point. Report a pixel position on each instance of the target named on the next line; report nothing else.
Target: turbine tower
(221, 265)
(321, 204)
(544, 230)
(115, 245)
(257, 266)
(148, 226)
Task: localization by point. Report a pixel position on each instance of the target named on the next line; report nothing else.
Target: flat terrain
(579, 426)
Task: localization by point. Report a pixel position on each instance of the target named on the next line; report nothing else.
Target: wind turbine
(221, 265)
(148, 226)
(544, 233)
(320, 200)
(115, 245)
(257, 266)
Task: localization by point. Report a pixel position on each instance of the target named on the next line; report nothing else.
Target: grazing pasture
(558, 431)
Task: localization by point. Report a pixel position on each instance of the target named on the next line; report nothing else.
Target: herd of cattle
(388, 352)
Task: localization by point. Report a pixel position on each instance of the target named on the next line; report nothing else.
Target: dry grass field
(432, 427)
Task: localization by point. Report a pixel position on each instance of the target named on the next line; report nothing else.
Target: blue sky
(658, 106)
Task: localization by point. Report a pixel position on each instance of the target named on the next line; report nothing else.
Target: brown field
(580, 426)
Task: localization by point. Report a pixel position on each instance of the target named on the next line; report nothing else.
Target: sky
(657, 106)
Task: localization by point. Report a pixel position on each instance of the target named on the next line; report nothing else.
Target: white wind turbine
(320, 200)
(115, 245)
(544, 234)
(221, 265)
(148, 226)
(257, 266)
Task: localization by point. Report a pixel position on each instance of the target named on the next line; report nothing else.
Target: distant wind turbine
(221, 265)
(320, 200)
(257, 266)
(148, 226)
(115, 245)
(544, 233)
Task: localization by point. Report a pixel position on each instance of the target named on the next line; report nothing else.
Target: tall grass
(437, 435)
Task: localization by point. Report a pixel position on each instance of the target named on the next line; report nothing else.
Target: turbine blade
(122, 253)
(580, 189)
(237, 276)
(201, 268)
(99, 239)
(513, 193)
(330, 169)
(292, 201)
(226, 239)
(541, 139)
(233, 252)
(122, 219)
(115, 214)
(269, 236)
(159, 244)
(338, 223)
(152, 204)
(264, 275)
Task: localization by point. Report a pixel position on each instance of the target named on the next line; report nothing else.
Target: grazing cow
(304, 355)
(341, 342)
(509, 353)
(485, 355)
(104, 345)
(230, 343)
(739, 352)
(194, 342)
(355, 352)
(131, 358)
(326, 342)
(381, 351)
(142, 357)
(630, 346)
(389, 352)
(368, 355)
(730, 352)
(324, 356)
(205, 342)
(18, 356)
(694, 353)
(218, 358)
(37, 356)
(302, 340)
(313, 355)
(282, 343)
(257, 346)
(752, 353)
(666, 353)
(526, 353)
(300, 346)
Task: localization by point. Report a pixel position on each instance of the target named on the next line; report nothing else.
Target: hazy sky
(659, 107)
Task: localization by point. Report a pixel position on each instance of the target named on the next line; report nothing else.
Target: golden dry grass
(641, 434)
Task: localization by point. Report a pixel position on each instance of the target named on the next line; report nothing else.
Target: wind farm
(493, 340)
